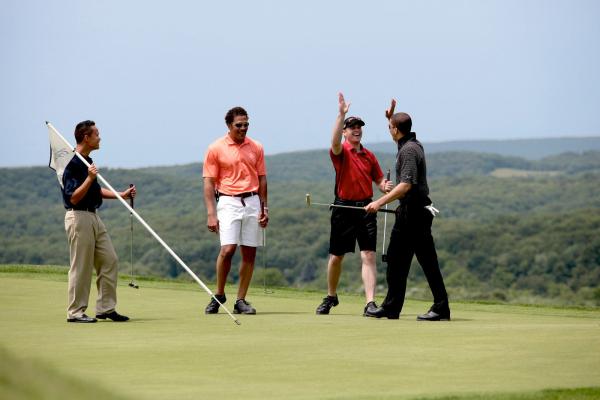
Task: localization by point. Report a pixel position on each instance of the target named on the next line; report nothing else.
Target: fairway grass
(172, 350)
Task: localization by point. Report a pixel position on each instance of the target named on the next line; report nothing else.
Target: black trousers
(411, 235)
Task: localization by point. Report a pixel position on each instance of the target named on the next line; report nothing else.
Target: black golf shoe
(213, 306)
(381, 312)
(433, 316)
(439, 311)
(370, 309)
(83, 319)
(328, 302)
(115, 316)
(243, 307)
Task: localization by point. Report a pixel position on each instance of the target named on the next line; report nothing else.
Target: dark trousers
(411, 235)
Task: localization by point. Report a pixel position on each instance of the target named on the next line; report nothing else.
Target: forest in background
(510, 229)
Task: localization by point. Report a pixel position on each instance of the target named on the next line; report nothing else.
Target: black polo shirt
(74, 175)
(411, 168)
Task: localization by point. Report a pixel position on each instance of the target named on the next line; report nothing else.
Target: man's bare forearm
(262, 190)
(209, 196)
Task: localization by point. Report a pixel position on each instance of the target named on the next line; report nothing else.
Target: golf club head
(133, 285)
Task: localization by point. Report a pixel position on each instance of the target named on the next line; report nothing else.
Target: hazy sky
(158, 76)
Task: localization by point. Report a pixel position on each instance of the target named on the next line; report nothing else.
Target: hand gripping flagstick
(52, 131)
(309, 203)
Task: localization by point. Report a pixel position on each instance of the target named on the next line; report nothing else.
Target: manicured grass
(32, 379)
(171, 350)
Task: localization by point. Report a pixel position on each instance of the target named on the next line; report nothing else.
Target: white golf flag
(61, 153)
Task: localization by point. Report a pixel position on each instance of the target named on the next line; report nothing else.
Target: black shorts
(349, 226)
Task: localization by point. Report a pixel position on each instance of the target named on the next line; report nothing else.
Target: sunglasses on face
(241, 124)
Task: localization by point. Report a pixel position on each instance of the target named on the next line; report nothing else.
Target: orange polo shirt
(235, 167)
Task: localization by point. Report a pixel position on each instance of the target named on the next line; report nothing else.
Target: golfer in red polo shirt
(356, 168)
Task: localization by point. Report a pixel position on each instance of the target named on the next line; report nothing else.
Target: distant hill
(531, 149)
(508, 227)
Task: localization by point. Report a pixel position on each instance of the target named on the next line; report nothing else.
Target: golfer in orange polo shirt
(235, 194)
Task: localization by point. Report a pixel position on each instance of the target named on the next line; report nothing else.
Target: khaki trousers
(90, 247)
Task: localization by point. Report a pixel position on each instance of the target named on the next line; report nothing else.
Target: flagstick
(148, 228)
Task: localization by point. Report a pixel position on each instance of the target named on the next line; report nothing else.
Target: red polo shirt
(354, 172)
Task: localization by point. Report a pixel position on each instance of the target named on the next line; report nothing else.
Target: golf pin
(132, 284)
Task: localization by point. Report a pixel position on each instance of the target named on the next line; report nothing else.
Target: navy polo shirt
(74, 175)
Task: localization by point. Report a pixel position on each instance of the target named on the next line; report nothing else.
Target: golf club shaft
(389, 173)
(383, 210)
(264, 249)
(131, 242)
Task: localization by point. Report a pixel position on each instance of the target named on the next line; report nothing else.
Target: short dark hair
(402, 122)
(231, 114)
(83, 128)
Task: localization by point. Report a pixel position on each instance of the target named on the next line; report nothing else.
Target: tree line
(514, 238)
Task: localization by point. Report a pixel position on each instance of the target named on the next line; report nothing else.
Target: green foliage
(497, 238)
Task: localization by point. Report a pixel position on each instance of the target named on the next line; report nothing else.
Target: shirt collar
(351, 148)
(229, 140)
(406, 138)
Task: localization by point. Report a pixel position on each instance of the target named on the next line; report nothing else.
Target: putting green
(171, 350)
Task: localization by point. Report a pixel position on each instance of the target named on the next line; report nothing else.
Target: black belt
(354, 203)
(242, 195)
(91, 209)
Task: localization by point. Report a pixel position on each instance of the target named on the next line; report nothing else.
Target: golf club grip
(389, 174)
(131, 198)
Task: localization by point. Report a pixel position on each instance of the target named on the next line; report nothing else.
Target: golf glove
(434, 211)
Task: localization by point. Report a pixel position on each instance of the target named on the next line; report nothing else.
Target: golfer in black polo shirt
(90, 246)
(411, 234)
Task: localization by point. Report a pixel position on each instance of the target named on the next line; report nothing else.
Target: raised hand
(390, 111)
(343, 106)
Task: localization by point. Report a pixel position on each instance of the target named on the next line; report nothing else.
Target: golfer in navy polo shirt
(90, 247)
(356, 168)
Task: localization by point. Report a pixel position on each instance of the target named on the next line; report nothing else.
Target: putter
(264, 232)
(330, 205)
(132, 284)
(383, 254)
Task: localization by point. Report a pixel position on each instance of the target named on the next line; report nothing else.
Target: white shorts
(238, 224)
